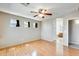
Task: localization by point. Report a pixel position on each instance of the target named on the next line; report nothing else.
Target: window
(35, 25)
(76, 21)
(13, 23)
(17, 23)
(26, 24)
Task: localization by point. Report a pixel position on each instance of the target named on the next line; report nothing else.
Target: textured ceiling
(57, 9)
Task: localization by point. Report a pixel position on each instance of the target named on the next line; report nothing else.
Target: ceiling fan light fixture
(43, 17)
(43, 11)
(40, 15)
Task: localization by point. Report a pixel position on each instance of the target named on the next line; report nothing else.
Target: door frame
(76, 18)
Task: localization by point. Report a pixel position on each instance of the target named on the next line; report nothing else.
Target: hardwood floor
(39, 48)
(71, 52)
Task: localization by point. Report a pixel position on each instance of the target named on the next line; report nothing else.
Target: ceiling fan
(25, 4)
(42, 13)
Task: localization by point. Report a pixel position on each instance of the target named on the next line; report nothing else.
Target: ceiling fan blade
(25, 4)
(33, 12)
(48, 13)
(35, 15)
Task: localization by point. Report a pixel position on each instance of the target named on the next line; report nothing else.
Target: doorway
(73, 33)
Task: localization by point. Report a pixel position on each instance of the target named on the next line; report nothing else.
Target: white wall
(48, 29)
(12, 36)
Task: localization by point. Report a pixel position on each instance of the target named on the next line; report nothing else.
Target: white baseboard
(18, 43)
(48, 40)
(74, 43)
